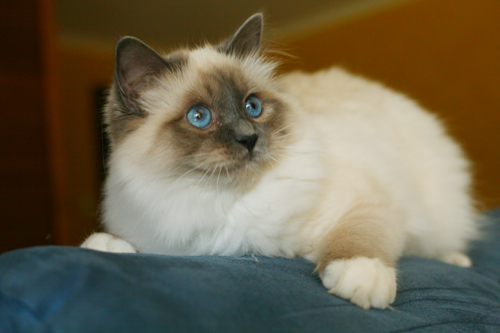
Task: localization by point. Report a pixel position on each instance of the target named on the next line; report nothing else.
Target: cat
(212, 153)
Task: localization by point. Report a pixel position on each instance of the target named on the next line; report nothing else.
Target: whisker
(206, 172)
(283, 128)
(199, 166)
(287, 135)
(198, 154)
(218, 177)
(186, 173)
(211, 175)
(273, 158)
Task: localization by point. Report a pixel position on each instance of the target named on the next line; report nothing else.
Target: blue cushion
(66, 289)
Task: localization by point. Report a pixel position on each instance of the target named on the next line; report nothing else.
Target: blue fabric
(65, 289)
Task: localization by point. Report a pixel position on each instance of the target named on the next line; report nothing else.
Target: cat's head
(211, 112)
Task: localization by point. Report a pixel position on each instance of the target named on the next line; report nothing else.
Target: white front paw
(363, 281)
(102, 241)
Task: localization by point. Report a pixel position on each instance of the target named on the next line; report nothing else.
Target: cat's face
(213, 113)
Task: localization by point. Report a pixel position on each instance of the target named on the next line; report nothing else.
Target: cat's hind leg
(101, 241)
(456, 258)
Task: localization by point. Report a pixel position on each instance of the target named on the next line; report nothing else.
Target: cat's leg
(446, 239)
(105, 242)
(357, 259)
(456, 258)
(366, 282)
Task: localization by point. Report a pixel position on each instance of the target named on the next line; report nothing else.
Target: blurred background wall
(57, 60)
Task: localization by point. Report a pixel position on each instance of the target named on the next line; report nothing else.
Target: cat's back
(335, 91)
(330, 89)
(352, 109)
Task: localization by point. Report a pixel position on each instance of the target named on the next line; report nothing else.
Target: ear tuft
(136, 65)
(247, 38)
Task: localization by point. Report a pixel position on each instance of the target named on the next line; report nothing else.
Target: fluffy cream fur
(365, 176)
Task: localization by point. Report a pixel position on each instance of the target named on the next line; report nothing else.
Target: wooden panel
(82, 74)
(25, 195)
(53, 119)
(443, 53)
(19, 38)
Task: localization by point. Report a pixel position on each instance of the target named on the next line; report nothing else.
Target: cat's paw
(102, 241)
(363, 281)
(456, 258)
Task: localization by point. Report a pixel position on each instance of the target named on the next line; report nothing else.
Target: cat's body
(336, 169)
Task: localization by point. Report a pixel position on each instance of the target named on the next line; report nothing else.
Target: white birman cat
(212, 153)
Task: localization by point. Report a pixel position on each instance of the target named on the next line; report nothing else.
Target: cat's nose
(248, 141)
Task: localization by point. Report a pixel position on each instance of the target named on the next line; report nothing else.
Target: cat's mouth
(229, 166)
(237, 164)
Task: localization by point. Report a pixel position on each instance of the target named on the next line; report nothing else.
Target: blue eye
(199, 116)
(253, 106)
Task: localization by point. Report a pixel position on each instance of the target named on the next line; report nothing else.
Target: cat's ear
(247, 39)
(136, 65)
